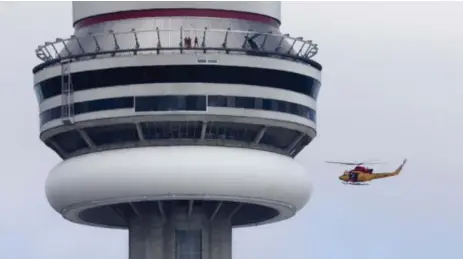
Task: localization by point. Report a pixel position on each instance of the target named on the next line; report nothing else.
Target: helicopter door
(353, 176)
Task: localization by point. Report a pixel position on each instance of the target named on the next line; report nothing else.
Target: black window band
(171, 103)
(261, 104)
(182, 103)
(89, 106)
(182, 74)
(103, 104)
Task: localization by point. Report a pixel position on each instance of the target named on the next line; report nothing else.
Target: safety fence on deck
(169, 41)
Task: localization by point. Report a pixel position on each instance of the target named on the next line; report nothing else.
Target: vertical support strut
(65, 46)
(292, 46)
(50, 56)
(308, 48)
(203, 44)
(281, 42)
(97, 45)
(203, 130)
(181, 40)
(67, 102)
(260, 135)
(41, 54)
(78, 43)
(246, 39)
(302, 47)
(54, 48)
(158, 44)
(265, 40)
(290, 148)
(116, 44)
(224, 44)
(137, 43)
(141, 136)
(311, 50)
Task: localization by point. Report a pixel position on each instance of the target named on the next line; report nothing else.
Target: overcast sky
(390, 90)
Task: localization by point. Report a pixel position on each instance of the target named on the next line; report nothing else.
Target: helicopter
(360, 174)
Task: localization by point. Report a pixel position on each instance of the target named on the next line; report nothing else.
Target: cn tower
(177, 121)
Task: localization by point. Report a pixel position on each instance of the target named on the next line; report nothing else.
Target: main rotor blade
(341, 163)
(351, 163)
(371, 162)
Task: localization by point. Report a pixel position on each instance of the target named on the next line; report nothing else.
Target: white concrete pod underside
(178, 173)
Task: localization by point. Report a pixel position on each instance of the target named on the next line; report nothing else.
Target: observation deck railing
(170, 41)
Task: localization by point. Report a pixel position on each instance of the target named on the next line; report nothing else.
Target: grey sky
(390, 90)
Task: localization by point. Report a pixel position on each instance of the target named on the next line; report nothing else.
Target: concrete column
(220, 236)
(151, 237)
(146, 237)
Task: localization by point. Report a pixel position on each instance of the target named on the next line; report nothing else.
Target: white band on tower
(266, 12)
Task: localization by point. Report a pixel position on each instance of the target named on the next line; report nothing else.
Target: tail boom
(375, 176)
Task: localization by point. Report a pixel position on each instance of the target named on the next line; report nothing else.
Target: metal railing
(168, 41)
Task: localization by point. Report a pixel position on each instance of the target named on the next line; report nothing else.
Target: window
(217, 101)
(261, 104)
(103, 104)
(312, 115)
(245, 102)
(69, 141)
(172, 130)
(279, 137)
(258, 104)
(51, 114)
(182, 74)
(113, 134)
(89, 106)
(232, 131)
(267, 104)
(188, 244)
(38, 93)
(231, 101)
(171, 103)
(182, 103)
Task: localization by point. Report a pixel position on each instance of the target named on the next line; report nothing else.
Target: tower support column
(147, 237)
(220, 236)
(182, 234)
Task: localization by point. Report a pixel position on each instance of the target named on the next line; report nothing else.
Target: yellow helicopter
(360, 174)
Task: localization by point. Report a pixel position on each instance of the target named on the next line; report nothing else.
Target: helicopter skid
(355, 183)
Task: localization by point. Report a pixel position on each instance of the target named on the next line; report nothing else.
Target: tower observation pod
(177, 121)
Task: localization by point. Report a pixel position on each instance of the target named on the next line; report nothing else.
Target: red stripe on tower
(176, 12)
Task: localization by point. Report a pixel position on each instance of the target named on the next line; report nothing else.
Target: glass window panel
(183, 74)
